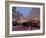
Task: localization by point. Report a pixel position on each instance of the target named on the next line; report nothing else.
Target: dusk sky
(24, 10)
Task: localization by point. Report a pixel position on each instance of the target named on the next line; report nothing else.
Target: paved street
(20, 28)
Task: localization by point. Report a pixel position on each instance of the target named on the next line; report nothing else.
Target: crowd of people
(35, 24)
